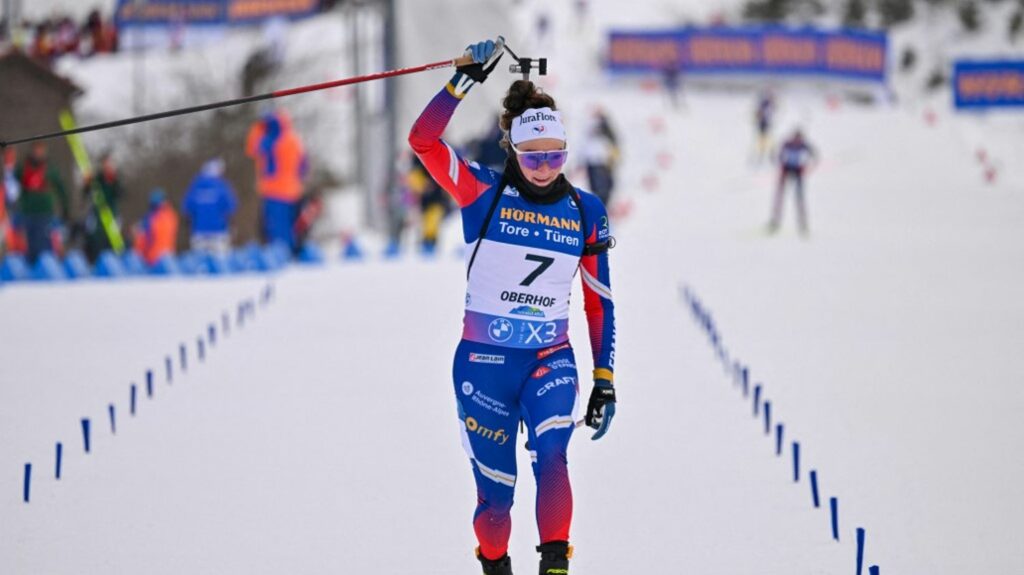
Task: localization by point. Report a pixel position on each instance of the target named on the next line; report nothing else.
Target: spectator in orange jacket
(157, 233)
(280, 168)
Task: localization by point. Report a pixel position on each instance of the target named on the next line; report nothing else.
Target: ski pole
(460, 61)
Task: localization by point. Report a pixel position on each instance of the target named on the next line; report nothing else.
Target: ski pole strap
(487, 220)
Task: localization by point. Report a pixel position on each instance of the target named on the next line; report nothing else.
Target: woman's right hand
(481, 51)
(485, 56)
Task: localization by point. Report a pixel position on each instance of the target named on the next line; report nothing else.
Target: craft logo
(561, 364)
(499, 436)
(486, 358)
(500, 330)
(556, 383)
(541, 372)
(467, 387)
(552, 350)
(527, 310)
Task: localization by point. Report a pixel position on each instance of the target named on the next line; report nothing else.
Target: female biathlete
(527, 231)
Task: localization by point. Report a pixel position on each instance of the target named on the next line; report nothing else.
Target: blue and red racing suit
(515, 361)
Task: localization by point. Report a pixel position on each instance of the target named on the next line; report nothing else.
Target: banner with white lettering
(980, 84)
(846, 54)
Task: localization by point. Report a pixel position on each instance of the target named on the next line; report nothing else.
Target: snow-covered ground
(322, 437)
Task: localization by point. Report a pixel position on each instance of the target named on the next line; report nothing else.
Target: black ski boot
(554, 557)
(501, 566)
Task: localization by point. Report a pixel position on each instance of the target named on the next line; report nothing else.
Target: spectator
(103, 192)
(157, 233)
(487, 150)
(100, 36)
(209, 204)
(601, 154)
(9, 240)
(280, 168)
(433, 201)
(42, 201)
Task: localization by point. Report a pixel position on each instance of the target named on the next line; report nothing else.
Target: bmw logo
(467, 388)
(500, 330)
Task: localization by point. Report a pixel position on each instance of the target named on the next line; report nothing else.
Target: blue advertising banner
(762, 50)
(988, 84)
(208, 12)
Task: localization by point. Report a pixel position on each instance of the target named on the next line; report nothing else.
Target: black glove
(485, 57)
(601, 407)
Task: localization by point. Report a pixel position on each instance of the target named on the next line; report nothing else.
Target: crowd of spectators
(56, 36)
(36, 214)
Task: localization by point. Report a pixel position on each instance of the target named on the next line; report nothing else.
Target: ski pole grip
(467, 59)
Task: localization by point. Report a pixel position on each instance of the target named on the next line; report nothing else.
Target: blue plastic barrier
(109, 266)
(311, 254)
(191, 263)
(166, 266)
(48, 268)
(133, 264)
(76, 266)
(14, 268)
(217, 265)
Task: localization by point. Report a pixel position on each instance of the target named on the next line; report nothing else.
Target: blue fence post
(874, 570)
(225, 322)
(149, 383)
(85, 433)
(60, 460)
(834, 505)
(183, 355)
(27, 487)
(778, 439)
(746, 381)
(201, 348)
(169, 369)
(132, 400)
(796, 462)
(757, 400)
(113, 419)
(814, 489)
(211, 333)
(860, 551)
(767, 417)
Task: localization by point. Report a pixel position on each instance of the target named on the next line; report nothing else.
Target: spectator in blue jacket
(209, 204)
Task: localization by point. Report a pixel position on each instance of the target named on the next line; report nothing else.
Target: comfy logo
(499, 436)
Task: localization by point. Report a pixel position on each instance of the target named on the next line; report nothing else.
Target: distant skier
(209, 204)
(528, 232)
(795, 158)
(764, 115)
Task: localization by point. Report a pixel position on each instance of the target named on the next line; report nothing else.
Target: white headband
(537, 123)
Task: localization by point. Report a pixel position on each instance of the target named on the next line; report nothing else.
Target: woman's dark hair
(522, 95)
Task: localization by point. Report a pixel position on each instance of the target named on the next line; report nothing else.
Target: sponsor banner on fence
(846, 54)
(209, 12)
(988, 84)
